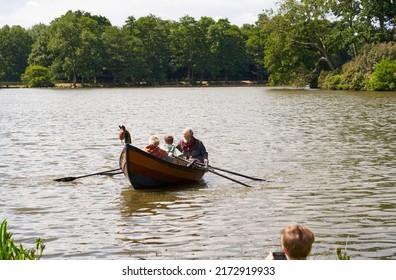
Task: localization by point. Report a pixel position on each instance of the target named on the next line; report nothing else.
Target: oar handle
(241, 175)
(234, 173)
(231, 179)
(98, 173)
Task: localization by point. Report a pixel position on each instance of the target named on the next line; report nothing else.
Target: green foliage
(152, 34)
(227, 47)
(40, 55)
(9, 251)
(367, 71)
(119, 55)
(299, 41)
(330, 80)
(289, 46)
(15, 46)
(384, 76)
(76, 43)
(254, 40)
(342, 256)
(351, 77)
(320, 35)
(37, 76)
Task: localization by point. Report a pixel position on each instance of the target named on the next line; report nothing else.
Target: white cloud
(28, 13)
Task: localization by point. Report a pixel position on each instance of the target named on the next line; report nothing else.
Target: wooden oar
(241, 175)
(68, 179)
(236, 181)
(237, 174)
(112, 173)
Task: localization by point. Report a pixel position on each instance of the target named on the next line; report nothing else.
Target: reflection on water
(331, 157)
(149, 201)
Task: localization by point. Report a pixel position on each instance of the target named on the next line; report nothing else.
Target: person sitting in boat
(191, 147)
(169, 147)
(154, 149)
(124, 135)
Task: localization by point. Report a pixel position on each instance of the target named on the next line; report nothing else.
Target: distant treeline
(315, 42)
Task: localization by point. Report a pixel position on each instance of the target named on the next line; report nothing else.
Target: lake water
(331, 157)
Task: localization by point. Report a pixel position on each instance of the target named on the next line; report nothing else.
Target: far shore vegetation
(328, 44)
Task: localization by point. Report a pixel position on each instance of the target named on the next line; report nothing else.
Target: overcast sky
(29, 12)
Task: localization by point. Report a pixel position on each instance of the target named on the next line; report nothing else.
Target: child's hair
(297, 240)
(154, 140)
(168, 139)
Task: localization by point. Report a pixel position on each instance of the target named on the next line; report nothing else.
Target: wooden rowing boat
(145, 171)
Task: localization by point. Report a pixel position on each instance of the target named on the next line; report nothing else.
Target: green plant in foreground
(9, 251)
(342, 256)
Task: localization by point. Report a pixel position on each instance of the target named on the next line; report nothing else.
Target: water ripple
(331, 158)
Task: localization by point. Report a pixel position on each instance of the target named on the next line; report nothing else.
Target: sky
(27, 13)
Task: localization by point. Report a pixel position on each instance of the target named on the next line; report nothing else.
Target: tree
(381, 13)
(348, 13)
(92, 57)
(66, 44)
(153, 50)
(204, 57)
(15, 46)
(40, 54)
(311, 29)
(184, 39)
(75, 42)
(228, 48)
(287, 63)
(254, 40)
(121, 52)
(365, 21)
(301, 41)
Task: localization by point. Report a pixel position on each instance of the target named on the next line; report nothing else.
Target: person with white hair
(192, 148)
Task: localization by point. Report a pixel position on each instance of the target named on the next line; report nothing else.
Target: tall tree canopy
(306, 36)
(15, 47)
(291, 45)
(76, 44)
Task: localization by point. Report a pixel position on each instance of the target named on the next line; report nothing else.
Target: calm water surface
(331, 157)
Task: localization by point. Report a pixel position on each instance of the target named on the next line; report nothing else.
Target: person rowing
(192, 148)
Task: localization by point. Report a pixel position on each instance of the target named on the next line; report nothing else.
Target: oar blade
(107, 172)
(65, 179)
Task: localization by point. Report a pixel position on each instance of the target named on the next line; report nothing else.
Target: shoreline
(129, 85)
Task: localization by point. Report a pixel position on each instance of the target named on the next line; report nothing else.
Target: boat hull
(145, 171)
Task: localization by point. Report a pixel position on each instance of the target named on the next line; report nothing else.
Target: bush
(37, 76)
(8, 250)
(384, 76)
(352, 77)
(333, 81)
(358, 74)
(330, 80)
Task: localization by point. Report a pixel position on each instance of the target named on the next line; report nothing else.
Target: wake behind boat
(145, 171)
